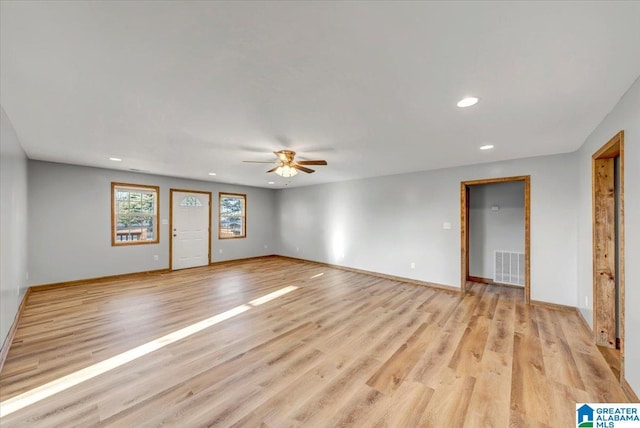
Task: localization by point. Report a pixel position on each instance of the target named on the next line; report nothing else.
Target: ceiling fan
(288, 167)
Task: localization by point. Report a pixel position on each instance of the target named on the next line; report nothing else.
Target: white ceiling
(187, 88)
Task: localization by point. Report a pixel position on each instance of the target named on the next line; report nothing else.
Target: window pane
(231, 226)
(135, 214)
(232, 216)
(148, 203)
(231, 206)
(191, 201)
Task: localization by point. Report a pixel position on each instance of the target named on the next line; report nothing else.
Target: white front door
(189, 229)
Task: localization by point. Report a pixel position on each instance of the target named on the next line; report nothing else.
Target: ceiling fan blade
(273, 169)
(312, 162)
(302, 168)
(258, 162)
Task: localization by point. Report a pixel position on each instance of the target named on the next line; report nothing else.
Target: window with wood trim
(134, 214)
(232, 221)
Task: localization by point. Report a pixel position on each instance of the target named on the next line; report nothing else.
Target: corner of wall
(277, 224)
(13, 224)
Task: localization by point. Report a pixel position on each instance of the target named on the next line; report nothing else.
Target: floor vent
(509, 268)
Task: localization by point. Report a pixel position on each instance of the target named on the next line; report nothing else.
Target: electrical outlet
(297, 250)
(413, 265)
(155, 257)
(220, 250)
(446, 226)
(265, 246)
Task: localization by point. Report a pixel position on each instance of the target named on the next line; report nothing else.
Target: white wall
(70, 223)
(625, 116)
(13, 224)
(383, 224)
(490, 231)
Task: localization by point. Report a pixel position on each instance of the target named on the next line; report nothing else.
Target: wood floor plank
(561, 395)
(437, 355)
(468, 355)
(284, 400)
(393, 371)
(556, 353)
(340, 349)
(599, 380)
(489, 404)
(500, 338)
(529, 387)
(449, 403)
(404, 408)
(322, 405)
(357, 410)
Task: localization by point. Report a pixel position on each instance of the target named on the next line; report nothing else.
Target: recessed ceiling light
(115, 159)
(212, 173)
(486, 147)
(272, 182)
(467, 102)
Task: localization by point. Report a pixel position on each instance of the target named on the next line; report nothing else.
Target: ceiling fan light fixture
(286, 171)
(467, 102)
(287, 167)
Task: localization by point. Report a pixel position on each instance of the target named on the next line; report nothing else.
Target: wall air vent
(509, 268)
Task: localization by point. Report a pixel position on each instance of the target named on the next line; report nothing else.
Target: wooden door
(608, 233)
(604, 251)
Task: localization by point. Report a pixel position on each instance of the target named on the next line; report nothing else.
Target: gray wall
(69, 223)
(494, 230)
(625, 116)
(384, 224)
(13, 224)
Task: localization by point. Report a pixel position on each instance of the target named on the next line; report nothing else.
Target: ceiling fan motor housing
(286, 156)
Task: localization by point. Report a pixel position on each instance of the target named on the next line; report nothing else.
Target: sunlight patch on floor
(267, 298)
(40, 393)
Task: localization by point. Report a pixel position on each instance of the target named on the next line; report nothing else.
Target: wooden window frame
(156, 189)
(244, 215)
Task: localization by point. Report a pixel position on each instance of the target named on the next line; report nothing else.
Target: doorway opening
(608, 251)
(516, 265)
(190, 228)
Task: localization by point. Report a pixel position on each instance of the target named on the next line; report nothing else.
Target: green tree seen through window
(232, 216)
(135, 214)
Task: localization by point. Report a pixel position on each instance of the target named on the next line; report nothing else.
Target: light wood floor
(344, 349)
